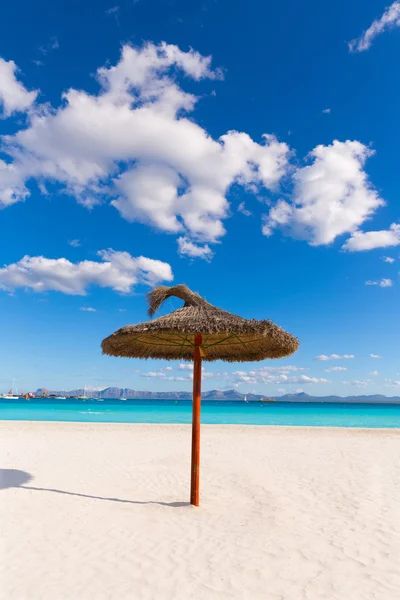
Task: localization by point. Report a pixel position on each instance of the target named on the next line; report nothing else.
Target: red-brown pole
(195, 471)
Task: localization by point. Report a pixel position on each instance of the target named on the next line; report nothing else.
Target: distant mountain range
(227, 395)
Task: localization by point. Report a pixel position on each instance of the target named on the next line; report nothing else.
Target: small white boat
(245, 399)
(12, 394)
(9, 396)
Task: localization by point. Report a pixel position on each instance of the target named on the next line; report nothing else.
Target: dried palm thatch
(198, 331)
(224, 336)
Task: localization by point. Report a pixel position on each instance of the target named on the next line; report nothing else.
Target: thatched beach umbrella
(198, 331)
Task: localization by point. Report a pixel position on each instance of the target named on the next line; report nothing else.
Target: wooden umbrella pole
(195, 470)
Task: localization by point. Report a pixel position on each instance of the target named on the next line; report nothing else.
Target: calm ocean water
(171, 411)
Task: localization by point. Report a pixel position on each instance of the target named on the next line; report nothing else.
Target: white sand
(287, 513)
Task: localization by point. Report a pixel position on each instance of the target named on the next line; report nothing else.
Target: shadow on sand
(13, 478)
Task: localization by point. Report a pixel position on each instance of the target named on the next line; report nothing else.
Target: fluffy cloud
(327, 111)
(392, 383)
(358, 383)
(331, 197)
(165, 377)
(276, 375)
(375, 356)
(50, 46)
(133, 142)
(370, 240)
(388, 259)
(153, 374)
(265, 371)
(389, 20)
(14, 97)
(87, 309)
(382, 282)
(264, 375)
(12, 188)
(117, 270)
(188, 248)
(335, 369)
(333, 356)
(242, 209)
(373, 373)
(74, 243)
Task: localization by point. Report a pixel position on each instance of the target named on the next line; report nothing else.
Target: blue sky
(247, 149)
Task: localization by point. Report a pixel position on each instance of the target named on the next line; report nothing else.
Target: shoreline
(211, 425)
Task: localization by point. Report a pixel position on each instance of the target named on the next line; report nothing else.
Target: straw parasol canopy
(225, 336)
(198, 331)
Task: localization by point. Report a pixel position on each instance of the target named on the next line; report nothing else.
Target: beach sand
(286, 513)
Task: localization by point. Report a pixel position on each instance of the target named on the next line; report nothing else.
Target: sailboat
(245, 399)
(12, 394)
(84, 395)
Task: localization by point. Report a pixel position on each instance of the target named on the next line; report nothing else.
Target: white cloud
(265, 371)
(242, 209)
(12, 189)
(388, 259)
(133, 142)
(275, 375)
(373, 373)
(88, 309)
(335, 369)
(117, 270)
(153, 374)
(327, 111)
(113, 10)
(382, 282)
(14, 97)
(209, 375)
(51, 45)
(375, 356)
(392, 383)
(188, 248)
(162, 375)
(306, 379)
(331, 197)
(334, 356)
(185, 367)
(74, 243)
(370, 240)
(358, 383)
(389, 20)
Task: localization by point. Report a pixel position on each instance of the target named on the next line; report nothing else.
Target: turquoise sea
(214, 412)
